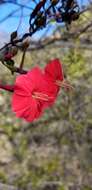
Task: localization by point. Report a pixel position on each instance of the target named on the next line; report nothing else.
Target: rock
(7, 187)
(2, 100)
(6, 150)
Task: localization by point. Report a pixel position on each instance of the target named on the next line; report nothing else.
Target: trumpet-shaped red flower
(32, 93)
(54, 73)
(48, 88)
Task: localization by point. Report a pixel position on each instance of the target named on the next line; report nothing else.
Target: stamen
(41, 96)
(64, 84)
(39, 93)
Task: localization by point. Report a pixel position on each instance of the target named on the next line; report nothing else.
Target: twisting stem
(16, 69)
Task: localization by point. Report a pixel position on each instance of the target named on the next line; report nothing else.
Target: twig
(22, 61)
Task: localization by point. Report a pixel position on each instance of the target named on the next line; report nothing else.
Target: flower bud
(25, 44)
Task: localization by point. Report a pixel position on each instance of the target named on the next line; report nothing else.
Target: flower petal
(54, 70)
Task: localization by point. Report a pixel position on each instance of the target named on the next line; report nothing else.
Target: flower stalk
(9, 88)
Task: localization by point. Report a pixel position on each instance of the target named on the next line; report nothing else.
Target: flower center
(41, 96)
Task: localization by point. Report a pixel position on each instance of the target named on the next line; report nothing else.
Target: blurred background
(55, 151)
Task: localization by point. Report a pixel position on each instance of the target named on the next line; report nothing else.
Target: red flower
(54, 73)
(48, 88)
(32, 94)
